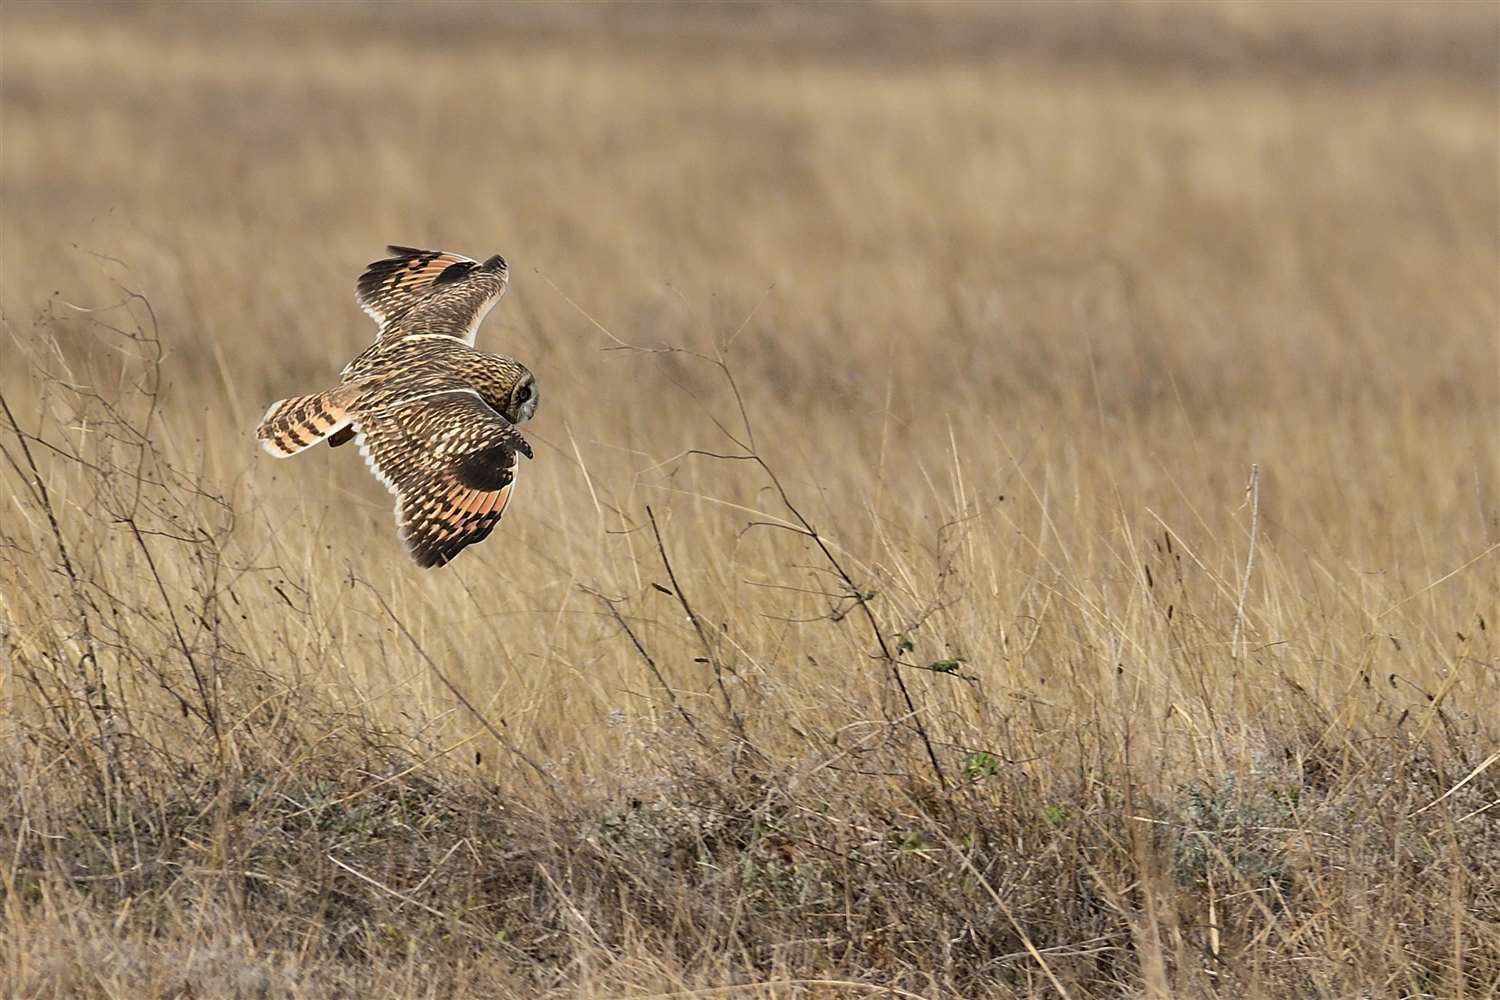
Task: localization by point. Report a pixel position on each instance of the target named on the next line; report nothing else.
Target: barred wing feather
(430, 292)
(451, 461)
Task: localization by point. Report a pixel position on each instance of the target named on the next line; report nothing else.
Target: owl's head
(521, 405)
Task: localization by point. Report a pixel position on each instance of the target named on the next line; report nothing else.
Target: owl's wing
(430, 292)
(451, 462)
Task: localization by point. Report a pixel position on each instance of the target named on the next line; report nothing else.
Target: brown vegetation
(1016, 508)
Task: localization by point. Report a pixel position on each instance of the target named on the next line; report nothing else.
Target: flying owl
(434, 419)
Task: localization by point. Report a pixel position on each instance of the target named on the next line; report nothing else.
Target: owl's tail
(292, 425)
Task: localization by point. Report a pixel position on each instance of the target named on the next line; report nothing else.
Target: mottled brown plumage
(434, 418)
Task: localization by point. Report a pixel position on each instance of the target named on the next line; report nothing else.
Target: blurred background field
(1012, 298)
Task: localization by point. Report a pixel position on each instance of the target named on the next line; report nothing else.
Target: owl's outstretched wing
(451, 462)
(430, 292)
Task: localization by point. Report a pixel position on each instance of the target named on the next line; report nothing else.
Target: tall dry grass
(891, 609)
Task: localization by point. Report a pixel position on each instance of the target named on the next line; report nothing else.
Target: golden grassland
(890, 609)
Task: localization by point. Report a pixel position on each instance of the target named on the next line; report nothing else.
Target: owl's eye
(525, 392)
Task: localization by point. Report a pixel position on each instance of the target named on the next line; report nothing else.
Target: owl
(434, 419)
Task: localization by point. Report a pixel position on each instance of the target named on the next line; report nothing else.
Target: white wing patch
(363, 444)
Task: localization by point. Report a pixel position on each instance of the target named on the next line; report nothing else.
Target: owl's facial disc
(524, 401)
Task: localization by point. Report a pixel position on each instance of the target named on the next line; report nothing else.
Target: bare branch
(708, 649)
(650, 663)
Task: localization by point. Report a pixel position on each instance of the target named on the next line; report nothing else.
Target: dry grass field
(890, 610)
